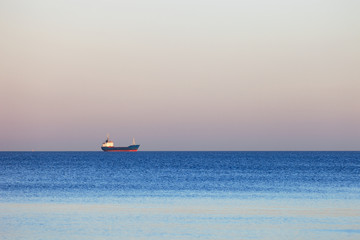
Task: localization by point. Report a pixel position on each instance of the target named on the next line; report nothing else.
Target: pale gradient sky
(180, 75)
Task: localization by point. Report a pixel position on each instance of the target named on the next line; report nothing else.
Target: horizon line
(186, 151)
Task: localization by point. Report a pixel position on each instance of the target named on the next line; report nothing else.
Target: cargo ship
(108, 146)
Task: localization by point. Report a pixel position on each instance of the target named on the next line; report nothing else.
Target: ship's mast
(133, 143)
(107, 137)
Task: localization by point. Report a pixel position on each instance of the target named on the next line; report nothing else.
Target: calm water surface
(180, 195)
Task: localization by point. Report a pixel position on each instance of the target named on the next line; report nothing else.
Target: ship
(108, 146)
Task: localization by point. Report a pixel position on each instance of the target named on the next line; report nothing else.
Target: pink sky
(180, 75)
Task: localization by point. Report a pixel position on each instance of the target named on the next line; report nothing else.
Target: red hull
(131, 148)
(120, 150)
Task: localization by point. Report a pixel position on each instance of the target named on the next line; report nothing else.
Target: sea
(179, 195)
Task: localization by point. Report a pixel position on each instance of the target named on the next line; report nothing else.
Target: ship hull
(131, 148)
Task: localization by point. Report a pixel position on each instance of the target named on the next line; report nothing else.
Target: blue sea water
(180, 195)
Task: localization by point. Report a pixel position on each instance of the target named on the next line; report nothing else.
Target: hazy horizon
(180, 75)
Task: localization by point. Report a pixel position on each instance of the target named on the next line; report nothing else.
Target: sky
(180, 75)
